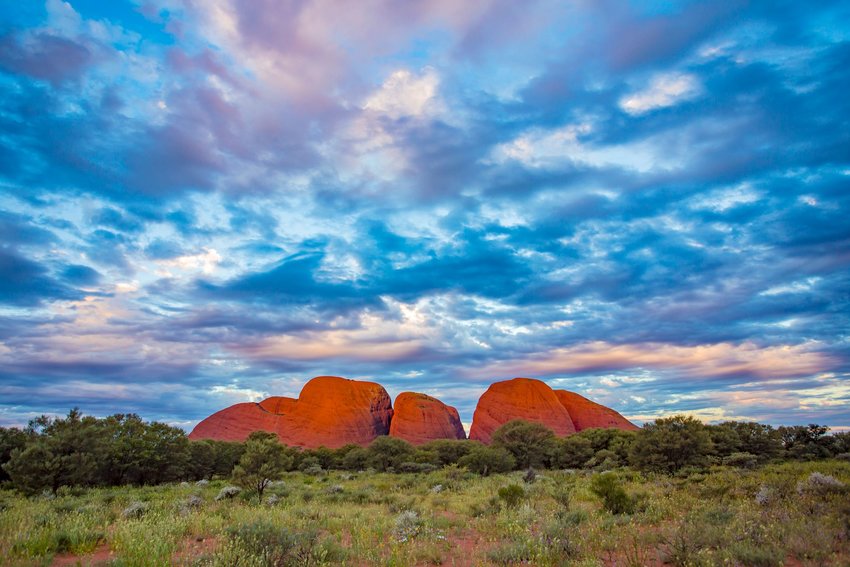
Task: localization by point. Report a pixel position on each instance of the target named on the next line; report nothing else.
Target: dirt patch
(102, 555)
(194, 548)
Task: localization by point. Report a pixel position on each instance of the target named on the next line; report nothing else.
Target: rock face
(330, 411)
(236, 423)
(520, 398)
(333, 411)
(418, 418)
(587, 414)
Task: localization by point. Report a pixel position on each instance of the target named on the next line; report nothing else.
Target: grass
(763, 517)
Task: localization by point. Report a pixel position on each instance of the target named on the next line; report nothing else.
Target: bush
(819, 483)
(407, 526)
(511, 495)
(614, 497)
(531, 444)
(134, 510)
(228, 493)
(488, 460)
(263, 460)
(387, 453)
(741, 460)
(275, 545)
(670, 444)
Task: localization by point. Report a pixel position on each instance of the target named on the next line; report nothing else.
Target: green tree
(671, 443)
(264, 460)
(573, 452)
(356, 459)
(531, 444)
(487, 460)
(387, 452)
(34, 468)
(449, 451)
(10, 440)
(145, 453)
(806, 442)
(760, 440)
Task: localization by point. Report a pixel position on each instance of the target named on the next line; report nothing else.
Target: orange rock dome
(418, 418)
(330, 411)
(587, 414)
(520, 398)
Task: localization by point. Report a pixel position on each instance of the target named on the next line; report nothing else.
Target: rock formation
(520, 398)
(333, 412)
(418, 418)
(587, 414)
(236, 423)
(330, 411)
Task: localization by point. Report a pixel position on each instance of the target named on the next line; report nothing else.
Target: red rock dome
(418, 418)
(587, 414)
(334, 411)
(520, 398)
(330, 411)
(236, 423)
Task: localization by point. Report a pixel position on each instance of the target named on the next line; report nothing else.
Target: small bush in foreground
(511, 495)
(614, 497)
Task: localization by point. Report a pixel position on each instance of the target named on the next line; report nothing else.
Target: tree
(449, 451)
(760, 440)
(34, 468)
(801, 442)
(10, 440)
(487, 460)
(671, 443)
(531, 444)
(264, 459)
(573, 452)
(389, 452)
(144, 453)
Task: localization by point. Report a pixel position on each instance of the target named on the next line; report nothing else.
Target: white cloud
(663, 91)
(405, 94)
(205, 261)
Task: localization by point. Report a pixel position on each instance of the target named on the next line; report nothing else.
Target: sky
(206, 202)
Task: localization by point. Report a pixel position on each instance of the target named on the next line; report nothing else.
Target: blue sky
(209, 202)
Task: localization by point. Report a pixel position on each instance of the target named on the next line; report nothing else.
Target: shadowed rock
(587, 414)
(418, 418)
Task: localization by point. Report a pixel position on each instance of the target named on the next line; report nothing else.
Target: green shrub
(531, 444)
(488, 460)
(407, 526)
(741, 460)
(275, 545)
(512, 553)
(614, 497)
(511, 495)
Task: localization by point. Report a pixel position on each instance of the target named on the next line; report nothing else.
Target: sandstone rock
(418, 418)
(520, 398)
(587, 414)
(330, 411)
(334, 411)
(236, 423)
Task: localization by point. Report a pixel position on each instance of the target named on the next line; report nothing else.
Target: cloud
(404, 94)
(719, 360)
(663, 91)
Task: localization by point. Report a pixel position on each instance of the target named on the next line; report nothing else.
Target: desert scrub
(149, 541)
(614, 497)
(511, 495)
(228, 493)
(407, 526)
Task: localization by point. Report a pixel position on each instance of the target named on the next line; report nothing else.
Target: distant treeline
(123, 449)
